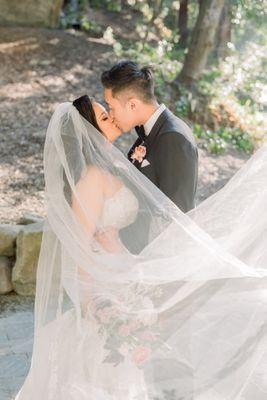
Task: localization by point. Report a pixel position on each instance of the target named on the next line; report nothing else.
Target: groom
(165, 151)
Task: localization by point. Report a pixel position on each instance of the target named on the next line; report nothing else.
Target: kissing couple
(141, 295)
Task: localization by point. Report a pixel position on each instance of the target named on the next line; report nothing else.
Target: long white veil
(184, 305)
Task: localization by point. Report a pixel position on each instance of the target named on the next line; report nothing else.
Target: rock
(29, 218)
(5, 275)
(30, 12)
(27, 254)
(8, 235)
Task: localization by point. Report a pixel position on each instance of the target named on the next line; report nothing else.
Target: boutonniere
(139, 153)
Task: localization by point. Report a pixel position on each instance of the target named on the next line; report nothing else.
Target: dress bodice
(120, 210)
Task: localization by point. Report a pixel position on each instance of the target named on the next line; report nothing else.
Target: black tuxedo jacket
(171, 160)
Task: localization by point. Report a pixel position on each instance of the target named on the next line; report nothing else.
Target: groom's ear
(134, 103)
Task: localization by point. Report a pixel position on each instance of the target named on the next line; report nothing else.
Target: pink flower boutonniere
(139, 153)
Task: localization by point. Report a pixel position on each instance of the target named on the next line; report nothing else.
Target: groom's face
(120, 110)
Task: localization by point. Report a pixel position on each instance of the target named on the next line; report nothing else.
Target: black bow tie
(140, 130)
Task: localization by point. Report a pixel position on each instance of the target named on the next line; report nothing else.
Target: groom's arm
(176, 164)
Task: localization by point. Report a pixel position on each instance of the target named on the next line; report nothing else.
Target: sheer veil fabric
(178, 312)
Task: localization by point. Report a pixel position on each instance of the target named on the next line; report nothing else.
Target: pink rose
(139, 153)
(141, 354)
(124, 330)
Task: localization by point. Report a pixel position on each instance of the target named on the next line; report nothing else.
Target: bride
(135, 299)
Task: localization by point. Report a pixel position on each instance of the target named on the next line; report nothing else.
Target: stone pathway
(16, 339)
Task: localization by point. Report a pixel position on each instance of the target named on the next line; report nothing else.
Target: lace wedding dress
(81, 380)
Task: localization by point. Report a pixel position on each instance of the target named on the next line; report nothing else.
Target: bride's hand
(109, 239)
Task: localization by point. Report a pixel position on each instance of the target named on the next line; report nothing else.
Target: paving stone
(16, 343)
(5, 394)
(14, 385)
(3, 338)
(21, 330)
(13, 365)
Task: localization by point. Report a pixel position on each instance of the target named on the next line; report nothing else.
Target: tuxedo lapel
(148, 141)
(155, 130)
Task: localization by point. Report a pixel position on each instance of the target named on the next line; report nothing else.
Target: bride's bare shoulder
(97, 175)
(91, 173)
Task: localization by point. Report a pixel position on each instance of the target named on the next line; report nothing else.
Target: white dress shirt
(152, 120)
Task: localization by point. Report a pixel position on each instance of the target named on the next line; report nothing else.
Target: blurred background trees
(30, 13)
(209, 56)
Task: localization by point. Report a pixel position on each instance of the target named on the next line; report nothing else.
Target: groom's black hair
(128, 75)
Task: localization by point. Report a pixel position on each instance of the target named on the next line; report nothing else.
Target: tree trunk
(224, 32)
(202, 40)
(182, 22)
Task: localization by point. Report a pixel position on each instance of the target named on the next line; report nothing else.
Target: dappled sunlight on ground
(40, 69)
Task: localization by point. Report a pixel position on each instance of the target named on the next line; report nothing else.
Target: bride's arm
(90, 191)
(88, 199)
(87, 205)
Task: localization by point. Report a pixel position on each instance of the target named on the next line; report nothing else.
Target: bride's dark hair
(84, 105)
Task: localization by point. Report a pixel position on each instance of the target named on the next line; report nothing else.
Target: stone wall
(39, 13)
(19, 253)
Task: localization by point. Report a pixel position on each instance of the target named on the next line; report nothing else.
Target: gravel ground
(40, 68)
